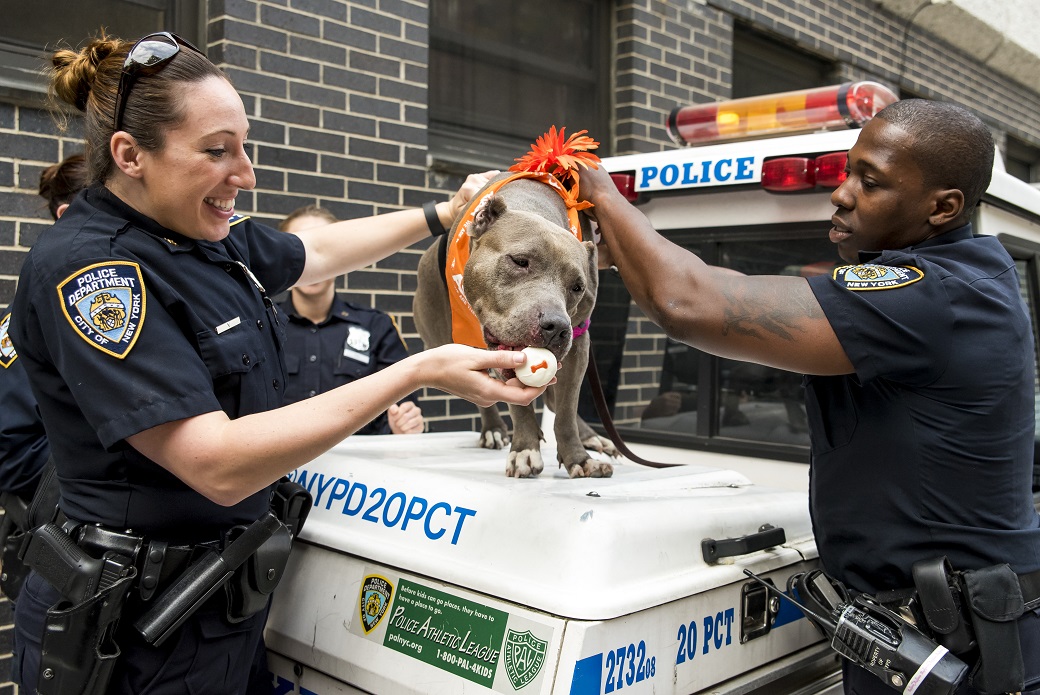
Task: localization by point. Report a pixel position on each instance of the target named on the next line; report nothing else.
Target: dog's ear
(486, 214)
(588, 301)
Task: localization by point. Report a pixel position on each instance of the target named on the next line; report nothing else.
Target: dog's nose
(554, 329)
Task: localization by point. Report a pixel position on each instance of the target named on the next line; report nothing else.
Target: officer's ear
(126, 154)
(947, 206)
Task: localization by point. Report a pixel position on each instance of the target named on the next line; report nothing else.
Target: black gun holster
(79, 649)
(977, 611)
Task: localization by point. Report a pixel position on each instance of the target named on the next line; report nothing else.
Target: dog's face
(529, 281)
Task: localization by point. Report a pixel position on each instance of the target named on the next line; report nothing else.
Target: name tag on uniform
(228, 325)
(356, 356)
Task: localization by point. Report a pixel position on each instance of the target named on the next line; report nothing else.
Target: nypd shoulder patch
(235, 219)
(105, 304)
(7, 351)
(876, 277)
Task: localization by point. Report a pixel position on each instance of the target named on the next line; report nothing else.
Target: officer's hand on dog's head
(468, 189)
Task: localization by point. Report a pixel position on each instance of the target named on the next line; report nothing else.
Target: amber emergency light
(847, 105)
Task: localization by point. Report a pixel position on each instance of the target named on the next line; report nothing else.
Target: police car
(423, 569)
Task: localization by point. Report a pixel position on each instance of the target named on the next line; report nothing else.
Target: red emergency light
(783, 174)
(847, 105)
(789, 174)
(626, 184)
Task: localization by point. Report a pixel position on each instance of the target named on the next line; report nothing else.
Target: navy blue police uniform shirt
(23, 441)
(927, 449)
(124, 325)
(353, 342)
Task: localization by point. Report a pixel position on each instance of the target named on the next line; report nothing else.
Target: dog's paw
(602, 445)
(590, 469)
(493, 439)
(526, 463)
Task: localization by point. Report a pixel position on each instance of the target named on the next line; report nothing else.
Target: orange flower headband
(554, 160)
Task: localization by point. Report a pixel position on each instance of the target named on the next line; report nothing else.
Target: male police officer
(919, 359)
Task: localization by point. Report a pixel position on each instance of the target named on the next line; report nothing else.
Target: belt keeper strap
(151, 568)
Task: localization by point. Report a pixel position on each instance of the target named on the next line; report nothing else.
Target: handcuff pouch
(939, 601)
(251, 585)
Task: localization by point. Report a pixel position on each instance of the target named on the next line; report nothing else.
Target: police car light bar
(847, 105)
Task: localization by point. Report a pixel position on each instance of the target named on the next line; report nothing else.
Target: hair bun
(75, 71)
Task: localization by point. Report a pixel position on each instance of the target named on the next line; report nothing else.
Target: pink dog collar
(582, 328)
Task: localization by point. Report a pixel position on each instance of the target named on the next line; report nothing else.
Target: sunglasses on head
(148, 56)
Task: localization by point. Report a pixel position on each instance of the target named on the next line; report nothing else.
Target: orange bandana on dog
(465, 328)
(554, 160)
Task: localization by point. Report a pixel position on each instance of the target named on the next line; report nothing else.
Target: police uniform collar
(339, 310)
(959, 234)
(105, 200)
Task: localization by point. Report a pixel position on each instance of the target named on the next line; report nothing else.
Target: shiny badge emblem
(7, 351)
(105, 304)
(376, 593)
(523, 655)
(358, 338)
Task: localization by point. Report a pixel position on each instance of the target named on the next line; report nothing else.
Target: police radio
(876, 639)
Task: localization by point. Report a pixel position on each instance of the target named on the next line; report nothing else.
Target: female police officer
(144, 322)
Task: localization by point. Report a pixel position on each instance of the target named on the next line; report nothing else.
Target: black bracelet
(433, 220)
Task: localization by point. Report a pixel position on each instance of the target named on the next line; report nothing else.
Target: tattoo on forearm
(750, 314)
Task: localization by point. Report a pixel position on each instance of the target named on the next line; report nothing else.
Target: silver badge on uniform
(357, 344)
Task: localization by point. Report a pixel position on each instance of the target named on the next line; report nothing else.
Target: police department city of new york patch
(376, 593)
(105, 304)
(7, 351)
(876, 277)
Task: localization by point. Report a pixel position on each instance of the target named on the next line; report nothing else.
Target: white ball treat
(540, 367)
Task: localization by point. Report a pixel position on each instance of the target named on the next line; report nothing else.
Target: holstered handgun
(78, 651)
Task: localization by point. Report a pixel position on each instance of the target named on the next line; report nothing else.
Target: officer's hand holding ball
(539, 369)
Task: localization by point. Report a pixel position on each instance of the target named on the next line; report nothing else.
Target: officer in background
(329, 342)
(919, 362)
(23, 442)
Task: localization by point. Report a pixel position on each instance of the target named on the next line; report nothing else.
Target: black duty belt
(157, 562)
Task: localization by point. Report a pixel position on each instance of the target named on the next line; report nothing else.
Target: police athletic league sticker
(876, 277)
(7, 352)
(105, 304)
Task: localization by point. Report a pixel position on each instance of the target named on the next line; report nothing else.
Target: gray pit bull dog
(530, 282)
